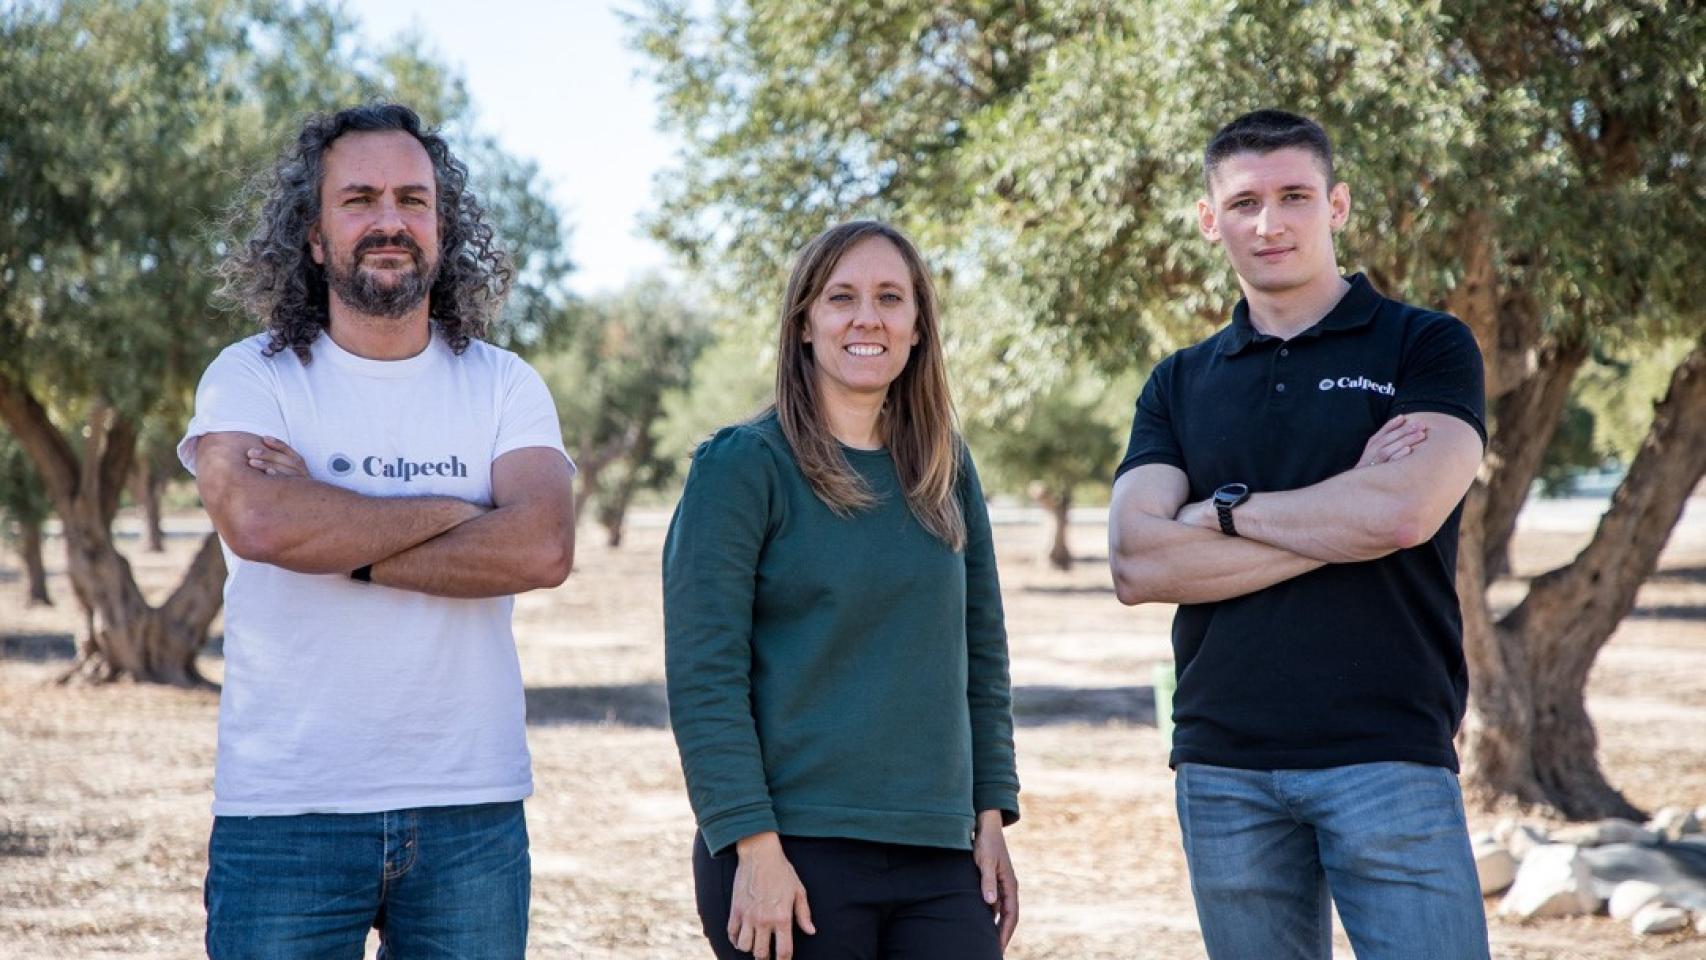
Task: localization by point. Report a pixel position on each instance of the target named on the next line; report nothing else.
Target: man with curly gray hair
(383, 482)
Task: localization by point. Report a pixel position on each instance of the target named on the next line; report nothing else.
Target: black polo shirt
(1354, 662)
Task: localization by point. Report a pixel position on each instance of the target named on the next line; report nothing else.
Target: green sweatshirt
(832, 676)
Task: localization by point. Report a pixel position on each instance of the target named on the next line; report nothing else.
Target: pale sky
(555, 83)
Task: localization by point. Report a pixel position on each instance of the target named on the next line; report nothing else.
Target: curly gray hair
(272, 275)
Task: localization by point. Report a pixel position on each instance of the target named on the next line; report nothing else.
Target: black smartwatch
(1227, 497)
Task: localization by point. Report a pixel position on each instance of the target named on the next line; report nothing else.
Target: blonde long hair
(917, 419)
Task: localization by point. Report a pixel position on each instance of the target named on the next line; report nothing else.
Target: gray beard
(361, 290)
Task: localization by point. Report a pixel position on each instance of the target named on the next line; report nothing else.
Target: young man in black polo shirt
(1294, 483)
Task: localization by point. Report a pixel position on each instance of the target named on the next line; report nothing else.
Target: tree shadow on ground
(42, 647)
(1670, 611)
(621, 704)
(136, 534)
(1680, 575)
(20, 841)
(645, 705)
(1068, 589)
(38, 647)
(1046, 705)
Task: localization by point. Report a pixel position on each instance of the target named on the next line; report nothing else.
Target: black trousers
(869, 901)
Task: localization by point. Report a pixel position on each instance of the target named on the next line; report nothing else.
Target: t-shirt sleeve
(238, 394)
(1153, 439)
(989, 693)
(528, 417)
(1441, 372)
(710, 577)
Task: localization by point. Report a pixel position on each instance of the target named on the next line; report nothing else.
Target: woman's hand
(767, 897)
(1000, 885)
(276, 459)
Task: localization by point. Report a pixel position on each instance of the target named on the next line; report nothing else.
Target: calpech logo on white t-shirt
(397, 468)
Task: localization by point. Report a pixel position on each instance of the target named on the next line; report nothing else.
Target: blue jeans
(436, 882)
(1387, 841)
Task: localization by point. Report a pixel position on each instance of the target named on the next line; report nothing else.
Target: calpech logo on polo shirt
(1356, 383)
(397, 468)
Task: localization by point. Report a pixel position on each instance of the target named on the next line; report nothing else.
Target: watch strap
(1224, 512)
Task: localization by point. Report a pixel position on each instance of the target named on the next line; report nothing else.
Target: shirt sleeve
(238, 393)
(1441, 372)
(710, 571)
(995, 777)
(1153, 439)
(528, 417)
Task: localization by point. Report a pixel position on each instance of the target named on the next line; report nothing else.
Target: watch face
(1232, 494)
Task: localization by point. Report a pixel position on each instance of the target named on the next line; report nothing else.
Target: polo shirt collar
(1355, 309)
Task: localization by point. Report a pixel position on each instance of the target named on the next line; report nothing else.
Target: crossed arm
(1411, 475)
(267, 509)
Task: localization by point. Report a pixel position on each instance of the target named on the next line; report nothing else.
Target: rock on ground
(1522, 838)
(1631, 895)
(1554, 881)
(1655, 919)
(1495, 866)
(1674, 823)
(1605, 832)
(1678, 868)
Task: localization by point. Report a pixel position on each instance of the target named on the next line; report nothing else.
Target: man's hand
(1393, 441)
(767, 897)
(275, 458)
(1000, 885)
(1200, 514)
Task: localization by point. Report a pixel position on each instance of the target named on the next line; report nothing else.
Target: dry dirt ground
(104, 792)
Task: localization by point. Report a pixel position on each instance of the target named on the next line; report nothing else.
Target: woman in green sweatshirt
(836, 656)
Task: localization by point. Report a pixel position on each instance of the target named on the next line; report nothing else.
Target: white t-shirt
(350, 697)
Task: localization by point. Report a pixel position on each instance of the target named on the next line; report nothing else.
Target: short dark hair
(1264, 131)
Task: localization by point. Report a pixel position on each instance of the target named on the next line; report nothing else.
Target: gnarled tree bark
(35, 571)
(1529, 734)
(1526, 418)
(1058, 503)
(145, 488)
(125, 636)
(637, 448)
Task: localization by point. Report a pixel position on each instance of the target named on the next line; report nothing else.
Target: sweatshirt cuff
(997, 796)
(724, 829)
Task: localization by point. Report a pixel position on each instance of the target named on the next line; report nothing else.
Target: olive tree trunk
(125, 636)
(1058, 503)
(1528, 733)
(146, 486)
(35, 571)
